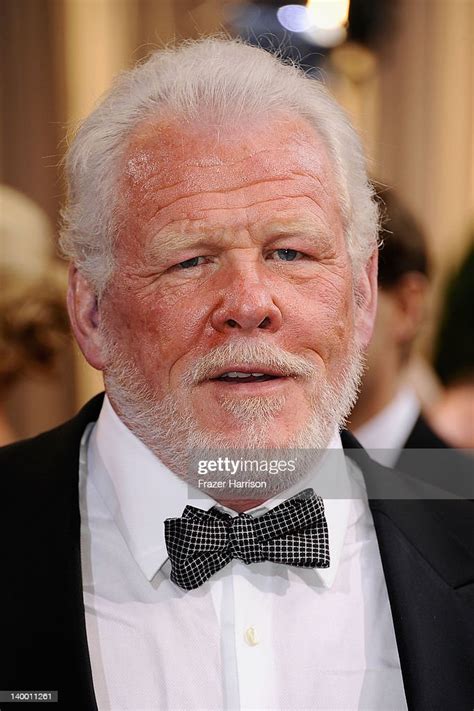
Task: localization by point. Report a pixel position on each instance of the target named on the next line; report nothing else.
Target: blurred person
(33, 330)
(387, 417)
(26, 243)
(223, 243)
(33, 316)
(453, 413)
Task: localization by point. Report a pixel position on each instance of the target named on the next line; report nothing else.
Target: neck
(374, 397)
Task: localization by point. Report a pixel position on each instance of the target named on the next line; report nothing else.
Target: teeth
(238, 374)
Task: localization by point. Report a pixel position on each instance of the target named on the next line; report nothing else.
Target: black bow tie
(202, 542)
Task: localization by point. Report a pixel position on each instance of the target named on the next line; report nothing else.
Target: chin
(262, 422)
(249, 438)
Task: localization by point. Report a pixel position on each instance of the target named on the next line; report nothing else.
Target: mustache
(249, 353)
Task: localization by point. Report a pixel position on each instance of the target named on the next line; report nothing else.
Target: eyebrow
(167, 240)
(297, 229)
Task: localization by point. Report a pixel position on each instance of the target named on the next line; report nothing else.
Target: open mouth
(241, 377)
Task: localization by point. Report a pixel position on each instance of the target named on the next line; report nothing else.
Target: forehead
(169, 164)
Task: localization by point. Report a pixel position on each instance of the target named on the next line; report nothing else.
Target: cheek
(158, 328)
(325, 313)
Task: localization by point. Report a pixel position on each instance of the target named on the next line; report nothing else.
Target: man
(222, 235)
(387, 418)
(453, 413)
(387, 415)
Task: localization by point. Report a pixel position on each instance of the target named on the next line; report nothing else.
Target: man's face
(230, 318)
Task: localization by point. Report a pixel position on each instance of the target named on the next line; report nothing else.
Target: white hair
(233, 80)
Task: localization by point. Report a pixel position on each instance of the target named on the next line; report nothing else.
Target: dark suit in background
(423, 436)
(431, 459)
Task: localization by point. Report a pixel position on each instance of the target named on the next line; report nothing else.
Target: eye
(188, 263)
(286, 255)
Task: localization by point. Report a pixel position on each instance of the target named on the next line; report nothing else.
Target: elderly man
(387, 418)
(222, 235)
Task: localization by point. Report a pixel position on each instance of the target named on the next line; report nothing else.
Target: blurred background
(403, 69)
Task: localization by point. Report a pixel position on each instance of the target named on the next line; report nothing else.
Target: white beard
(169, 428)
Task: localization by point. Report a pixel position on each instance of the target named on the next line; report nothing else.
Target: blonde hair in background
(33, 317)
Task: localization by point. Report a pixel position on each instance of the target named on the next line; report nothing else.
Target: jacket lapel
(76, 675)
(89, 413)
(427, 558)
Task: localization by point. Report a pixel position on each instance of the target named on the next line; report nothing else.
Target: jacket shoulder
(47, 457)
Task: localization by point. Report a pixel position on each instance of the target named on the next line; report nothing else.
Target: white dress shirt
(259, 636)
(385, 434)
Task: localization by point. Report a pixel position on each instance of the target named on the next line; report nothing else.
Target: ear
(409, 296)
(85, 317)
(366, 299)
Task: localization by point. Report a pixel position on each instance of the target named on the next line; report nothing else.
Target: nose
(246, 303)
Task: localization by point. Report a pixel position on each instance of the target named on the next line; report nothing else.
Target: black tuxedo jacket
(423, 436)
(426, 549)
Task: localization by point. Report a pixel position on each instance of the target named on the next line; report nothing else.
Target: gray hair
(233, 80)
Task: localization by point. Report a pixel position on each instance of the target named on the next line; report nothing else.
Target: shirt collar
(141, 492)
(386, 433)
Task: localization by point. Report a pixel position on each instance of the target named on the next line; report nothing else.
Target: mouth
(237, 377)
(247, 374)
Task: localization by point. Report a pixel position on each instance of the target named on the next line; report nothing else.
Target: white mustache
(245, 353)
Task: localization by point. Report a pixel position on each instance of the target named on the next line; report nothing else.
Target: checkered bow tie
(202, 542)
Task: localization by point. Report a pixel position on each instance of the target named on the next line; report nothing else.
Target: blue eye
(193, 262)
(287, 255)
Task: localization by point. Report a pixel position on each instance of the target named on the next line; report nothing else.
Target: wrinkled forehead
(167, 152)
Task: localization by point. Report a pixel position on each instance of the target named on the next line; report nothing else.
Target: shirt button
(251, 637)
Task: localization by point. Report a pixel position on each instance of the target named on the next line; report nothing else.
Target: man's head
(222, 231)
